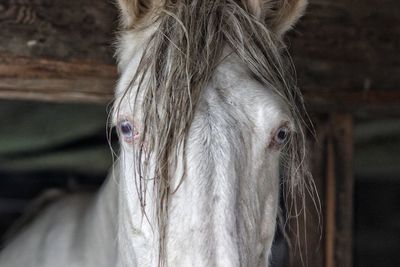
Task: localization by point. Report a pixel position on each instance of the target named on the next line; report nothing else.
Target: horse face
(224, 188)
(224, 210)
(226, 207)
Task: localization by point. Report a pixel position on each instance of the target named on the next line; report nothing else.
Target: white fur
(220, 216)
(224, 213)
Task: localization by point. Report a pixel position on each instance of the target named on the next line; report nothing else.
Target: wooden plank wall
(57, 50)
(345, 52)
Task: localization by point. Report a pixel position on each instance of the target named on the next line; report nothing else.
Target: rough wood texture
(51, 80)
(346, 52)
(348, 45)
(342, 128)
(346, 55)
(332, 168)
(353, 101)
(58, 29)
(310, 235)
(330, 207)
(57, 50)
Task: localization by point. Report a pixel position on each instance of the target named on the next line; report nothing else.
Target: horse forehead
(231, 90)
(233, 84)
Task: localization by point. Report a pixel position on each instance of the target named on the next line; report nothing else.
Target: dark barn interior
(57, 76)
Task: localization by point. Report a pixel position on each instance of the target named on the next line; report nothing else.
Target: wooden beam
(347, 45)
(353, 101)
(89, 81)
(58, 81)
(345, 52)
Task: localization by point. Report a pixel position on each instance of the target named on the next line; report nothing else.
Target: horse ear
(133, 10)
(280, 15)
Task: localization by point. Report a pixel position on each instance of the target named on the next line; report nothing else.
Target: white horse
(206, 110)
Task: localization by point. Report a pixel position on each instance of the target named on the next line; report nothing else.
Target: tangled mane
(179, 60)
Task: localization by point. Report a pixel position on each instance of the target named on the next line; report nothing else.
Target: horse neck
(101, 223)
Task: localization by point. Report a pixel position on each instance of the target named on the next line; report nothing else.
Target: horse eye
(281, 135)
(126, 129)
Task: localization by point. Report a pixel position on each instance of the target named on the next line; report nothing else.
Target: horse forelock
(179, 59)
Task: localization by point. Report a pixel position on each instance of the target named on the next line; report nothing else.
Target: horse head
(211, 124)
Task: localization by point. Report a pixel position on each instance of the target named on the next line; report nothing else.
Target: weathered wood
(348, 45)
(353, 101)
(51, 80)
(339, 192)
(331, 161)
(57, 50)
(342, 129)
(93, 81)
(309, 236)
(58, 29)
(330, 210)
(346, 52)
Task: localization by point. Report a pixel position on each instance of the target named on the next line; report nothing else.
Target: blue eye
(281, 135)
(126, 129)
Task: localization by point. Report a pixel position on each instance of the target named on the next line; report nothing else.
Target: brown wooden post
(342, 128)
(330, 200)
(309, 251)
(332, 159)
